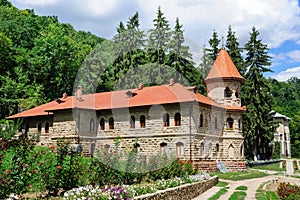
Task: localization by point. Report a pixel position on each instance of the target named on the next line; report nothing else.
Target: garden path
(252, 185)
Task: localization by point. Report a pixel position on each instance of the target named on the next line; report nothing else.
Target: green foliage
(273, 167)
(222, 184)
(238, 196)
(258, 126)
(218, 194)
(236, 176)
(241, 188)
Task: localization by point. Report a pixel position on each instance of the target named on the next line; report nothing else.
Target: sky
(278, 22)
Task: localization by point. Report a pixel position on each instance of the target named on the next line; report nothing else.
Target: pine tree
(234, 51)
(258, 121)
(214, 49)
(159, 39)
(180, 59)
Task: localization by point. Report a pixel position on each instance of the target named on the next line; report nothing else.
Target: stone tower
(223, 84)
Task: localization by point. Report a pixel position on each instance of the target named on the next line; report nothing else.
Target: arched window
(92, 124)
(166, 120)
(47, 127)
(201, 120)
(179, 149)
(217, 147)
(163, 147)
(216, 123)
(106, 147)
(202, 149)
(111, 123)
(102, 124)
(137, 147)
(240, 124)
(177, 119)
(132, 122)
(39, 128)
(142, 121)
(227, 92)
(229, 123)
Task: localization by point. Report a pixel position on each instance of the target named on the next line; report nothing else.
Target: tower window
(137, 147)
(229, 123)
(201, 120)
(163, 147)
(39, 128)
(92, 124)
(227, 92)
(177, 119)
(216, 123)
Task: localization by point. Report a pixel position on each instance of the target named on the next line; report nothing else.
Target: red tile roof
(224, 69)
(163, 94)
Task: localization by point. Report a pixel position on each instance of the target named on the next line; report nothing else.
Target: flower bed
(193, 184)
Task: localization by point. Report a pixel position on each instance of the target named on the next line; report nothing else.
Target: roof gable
(224, 68)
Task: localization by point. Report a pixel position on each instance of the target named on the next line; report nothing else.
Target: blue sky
(278, 22)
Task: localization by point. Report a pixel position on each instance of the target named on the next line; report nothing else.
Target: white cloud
(287, 74)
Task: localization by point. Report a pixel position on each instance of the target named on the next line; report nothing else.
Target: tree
(159, 38)
(258, 120)
(214, 42)
(234, 51)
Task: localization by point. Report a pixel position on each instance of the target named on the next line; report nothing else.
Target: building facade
(168, 118)
(282, 135)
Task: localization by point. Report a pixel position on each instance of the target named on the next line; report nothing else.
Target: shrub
(288, 191)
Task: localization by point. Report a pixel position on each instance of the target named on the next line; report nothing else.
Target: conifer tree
(234, 51)
(258, 121)
(214, 49)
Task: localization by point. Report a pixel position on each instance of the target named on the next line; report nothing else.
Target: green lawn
(218, 194)
(236, 176)
(242, 187)
(273, 167)
(238, 196)
(265, 195)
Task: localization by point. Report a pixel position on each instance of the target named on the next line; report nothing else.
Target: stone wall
(182, 192)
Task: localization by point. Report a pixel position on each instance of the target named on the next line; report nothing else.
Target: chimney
(172, 82)
(141, 86)
(78, 93)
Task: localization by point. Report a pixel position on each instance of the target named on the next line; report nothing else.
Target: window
(240, 124)
(202, 149)
(92, 124)
(26, 130)
(227, 92)
(142, 121)
(217, 147)
(111, 123)
(137, 148)
(102, 124)
(201, 120)
(177, 119)
(229, 123)
(39, 128)
(216, 123)
(179, 149)
(47, 127)
(107, 147)
(163, 147)
(166, 120)
(132, 122)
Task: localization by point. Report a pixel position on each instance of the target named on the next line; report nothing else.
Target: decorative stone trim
(182, 192)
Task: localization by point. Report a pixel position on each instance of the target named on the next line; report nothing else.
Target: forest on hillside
(40, 58)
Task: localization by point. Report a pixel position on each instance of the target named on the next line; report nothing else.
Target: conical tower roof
(223, 69)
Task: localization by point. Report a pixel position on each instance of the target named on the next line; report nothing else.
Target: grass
(273, 167)
(218, 194)
(238, 196)
(222, 184)
(265, 195)
(236, 176)
(242, 187)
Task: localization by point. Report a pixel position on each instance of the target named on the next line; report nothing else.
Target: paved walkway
(252, 185)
